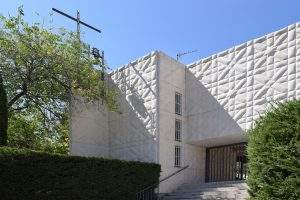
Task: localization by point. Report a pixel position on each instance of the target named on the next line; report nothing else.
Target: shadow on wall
(208, 123)
(138, 103)
(132, 133)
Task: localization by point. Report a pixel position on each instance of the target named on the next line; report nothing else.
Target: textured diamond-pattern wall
(133, 133)
(244, 78)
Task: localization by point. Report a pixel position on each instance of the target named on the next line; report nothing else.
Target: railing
(150, 192)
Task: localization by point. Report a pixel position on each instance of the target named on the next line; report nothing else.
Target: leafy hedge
(30, 175)
(274, 154)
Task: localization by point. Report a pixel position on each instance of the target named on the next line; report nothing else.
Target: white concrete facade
(222, 95)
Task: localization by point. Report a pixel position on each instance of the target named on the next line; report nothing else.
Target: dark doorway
(226, 163)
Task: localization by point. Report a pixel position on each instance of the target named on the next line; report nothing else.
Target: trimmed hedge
(30, 175)
(274, 154)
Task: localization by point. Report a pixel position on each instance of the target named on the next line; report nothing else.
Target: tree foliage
(41, 72)
(274, 154)
(27, 130)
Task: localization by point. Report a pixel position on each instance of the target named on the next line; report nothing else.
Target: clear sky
(132, 28)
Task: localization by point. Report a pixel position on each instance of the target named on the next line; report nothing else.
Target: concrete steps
(211, 191)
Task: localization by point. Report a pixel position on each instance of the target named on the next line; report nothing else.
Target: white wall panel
(172, 79)
(245, 78)
(89, 128)
(133, 133)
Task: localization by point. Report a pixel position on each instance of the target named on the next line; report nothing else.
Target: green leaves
(27, 129)
(43, 71)
(274, 153)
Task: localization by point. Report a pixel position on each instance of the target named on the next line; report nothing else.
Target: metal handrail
(174, 173)
(149, 191)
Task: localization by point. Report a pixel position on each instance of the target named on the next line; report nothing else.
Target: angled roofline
(140, 59)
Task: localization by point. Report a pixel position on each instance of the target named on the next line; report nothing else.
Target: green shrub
(30, 175)
(273, 153)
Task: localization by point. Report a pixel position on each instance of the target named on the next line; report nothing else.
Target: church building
(191, 116)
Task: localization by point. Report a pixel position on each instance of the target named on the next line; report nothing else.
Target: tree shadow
(133, 132)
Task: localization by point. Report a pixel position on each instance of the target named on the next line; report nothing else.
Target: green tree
(274, 154)
(27, 130)
(43, 72)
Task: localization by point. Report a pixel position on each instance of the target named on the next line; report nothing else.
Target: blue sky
(132, 28)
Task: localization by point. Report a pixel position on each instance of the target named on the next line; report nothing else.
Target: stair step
(217, 185)
(203, 192)
(209, 189)
(213, 191)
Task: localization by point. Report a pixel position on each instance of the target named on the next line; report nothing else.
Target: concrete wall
(133, 134)
(89, 127)
(208, 123)
(171, 80)
(146, 86)
(245, 78)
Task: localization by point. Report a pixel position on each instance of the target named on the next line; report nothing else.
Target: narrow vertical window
(178, 102)
(178, 129)
(177, 156)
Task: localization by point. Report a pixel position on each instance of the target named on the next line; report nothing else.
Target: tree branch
(41, 105)
(66, 86)
(19, 108)
(18, 96)
(24, 87)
